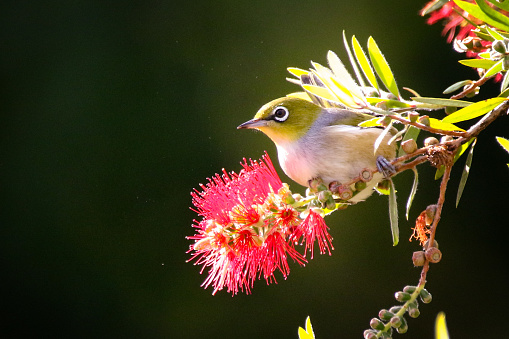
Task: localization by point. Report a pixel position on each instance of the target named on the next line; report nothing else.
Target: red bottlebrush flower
(454, 23)
(249, 228)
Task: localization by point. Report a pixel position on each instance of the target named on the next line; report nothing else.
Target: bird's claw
(385, 167)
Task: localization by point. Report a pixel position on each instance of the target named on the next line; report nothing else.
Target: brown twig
(471, 88)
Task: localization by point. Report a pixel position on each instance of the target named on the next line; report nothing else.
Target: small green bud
(360, 185)
(385, 314)
(376, 324)
(425, 296)
(430, 141)
(450, 109)
(414, 312)
(385, 335)
(395, 309)
(499, 46)
(431, 210)
(330, 204)
(418, 258)
(323, 196)
(409, 289)
(505, 63)
(403, 328)
(413, 116)
(409, 146)
(369, 334)
(424, 119)
(402, 296)
(426, 244)
(396, 321)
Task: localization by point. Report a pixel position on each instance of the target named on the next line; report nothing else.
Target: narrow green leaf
(364, 63)
(297, 71)
(505, 93)
(456, 86)
(439, 124)
(442, 102)
(412, 192)
(381, 137)
(308, 332)
(496, 68)
(466, 171)
(342, 75)
(388, 102)
(371, 123)
(501, 19)
(496, 35)
(441, 327)
(504, 143)
(440, 171)
(411, 133)
(478, 63)
(393, 213)
(474, 110)
(480, 14)
(501, 4)
(321, 92)
(382, 67)
(351, 57)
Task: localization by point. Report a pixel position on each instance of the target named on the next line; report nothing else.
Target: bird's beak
(253, 123)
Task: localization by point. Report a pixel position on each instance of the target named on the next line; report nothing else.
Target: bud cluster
(394, 318)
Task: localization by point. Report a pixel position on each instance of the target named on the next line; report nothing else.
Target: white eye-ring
(281, 113)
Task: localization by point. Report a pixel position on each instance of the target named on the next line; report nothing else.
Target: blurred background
(113, 111)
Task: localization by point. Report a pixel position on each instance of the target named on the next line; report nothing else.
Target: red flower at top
(250, 227)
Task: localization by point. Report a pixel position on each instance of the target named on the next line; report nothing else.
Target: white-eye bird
(313, 142)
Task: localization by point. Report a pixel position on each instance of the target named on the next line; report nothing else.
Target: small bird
(316, 142)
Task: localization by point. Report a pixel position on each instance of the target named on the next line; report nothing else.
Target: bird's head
(284, 120)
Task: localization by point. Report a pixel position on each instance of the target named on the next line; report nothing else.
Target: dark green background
(111, 112)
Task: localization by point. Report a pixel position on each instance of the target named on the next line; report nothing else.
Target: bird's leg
(385, 167)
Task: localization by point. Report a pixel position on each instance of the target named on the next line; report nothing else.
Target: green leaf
(478, 63)
(381, 137)
(476, 11)
(412, 192)
(442, 102)
(496, 68)
(297, 71)
(501, 4)
(505, 93)
(371, 123)
(308, 332)
(353, 62)
(441, 327)
(411, 133)
(321, 92)
(494, 34)
(342, 75)
(440, 171)
(390, 103)
(466, 171)
(501, 19)
(474, 110)
(364, 63)
(393, 213)
(504, 143)
(382, 67)
(456, 86)
(439, 124)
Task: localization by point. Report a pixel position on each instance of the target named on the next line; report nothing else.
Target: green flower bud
(431, 210)
(403, 328)
(414, 312)
(385, 314)
(330, 204)
(450, 109)
(446, 138)
(323, 196)
(369, 334)
(413, 116)
(425, 296)
(505, 63)
(395, 309)
(424, 119)
(409, 146)
(376, 324)
(402, 296)
(409, 289)
(360, 185)
(396, 321)
(499, 46)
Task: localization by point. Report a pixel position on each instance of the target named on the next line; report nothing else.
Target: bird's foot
(385, 167)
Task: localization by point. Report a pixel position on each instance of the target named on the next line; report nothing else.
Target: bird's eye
(281, 114)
